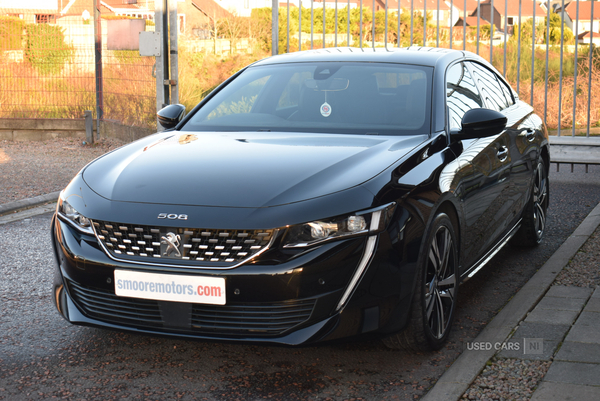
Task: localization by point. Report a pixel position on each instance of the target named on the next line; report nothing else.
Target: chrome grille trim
(200, 248)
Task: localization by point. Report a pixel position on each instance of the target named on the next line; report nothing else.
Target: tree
(46, 49)
(233, 28)
(555, 29)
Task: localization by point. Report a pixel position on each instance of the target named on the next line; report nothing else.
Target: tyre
(434, 298)
(533, 224)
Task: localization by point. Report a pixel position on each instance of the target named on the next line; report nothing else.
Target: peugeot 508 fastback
(312, 196)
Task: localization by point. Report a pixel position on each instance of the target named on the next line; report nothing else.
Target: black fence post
(98, 61)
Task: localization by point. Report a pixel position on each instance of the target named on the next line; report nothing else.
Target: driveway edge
(28, 203)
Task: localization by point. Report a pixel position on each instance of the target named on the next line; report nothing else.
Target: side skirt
(491, 253)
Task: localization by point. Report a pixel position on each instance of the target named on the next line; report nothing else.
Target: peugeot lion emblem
(172, 242)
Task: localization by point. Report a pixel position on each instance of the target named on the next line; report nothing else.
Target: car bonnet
(242, 169)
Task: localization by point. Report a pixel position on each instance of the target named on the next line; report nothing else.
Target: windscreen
(332, 97)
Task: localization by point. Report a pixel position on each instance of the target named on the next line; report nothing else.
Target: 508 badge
(172, 216)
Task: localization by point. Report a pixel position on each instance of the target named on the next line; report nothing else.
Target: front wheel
(434, 299)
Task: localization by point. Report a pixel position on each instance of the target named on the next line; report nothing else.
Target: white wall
(29, 4)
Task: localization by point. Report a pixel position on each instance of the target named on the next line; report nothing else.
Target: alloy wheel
(540, 194)
(440, 283)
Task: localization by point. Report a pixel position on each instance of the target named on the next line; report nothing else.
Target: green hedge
(11, 33)
(46, 49)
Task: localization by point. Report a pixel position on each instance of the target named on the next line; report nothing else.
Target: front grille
(251, 319)
(106, 306)
(231, 320)
(137, 242)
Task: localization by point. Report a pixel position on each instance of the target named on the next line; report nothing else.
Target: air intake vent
(251, 319)
(106, 306)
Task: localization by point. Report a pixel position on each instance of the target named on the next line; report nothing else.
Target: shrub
(11, 33)
(46, 49)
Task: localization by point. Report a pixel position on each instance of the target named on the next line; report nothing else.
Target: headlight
(71, 215)
(367, 221)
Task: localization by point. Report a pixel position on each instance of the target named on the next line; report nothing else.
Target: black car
(312, 196)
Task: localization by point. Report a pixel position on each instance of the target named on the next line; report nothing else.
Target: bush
(11, 33)
(46, 49)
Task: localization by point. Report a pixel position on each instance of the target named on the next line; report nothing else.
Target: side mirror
(171, 115)
(480, 123)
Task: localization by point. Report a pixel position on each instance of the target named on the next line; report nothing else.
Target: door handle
(502, 153)
(529, 134)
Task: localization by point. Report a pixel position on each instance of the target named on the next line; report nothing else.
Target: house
(586, 22)
(195, 16)
(461, 10)
(589, 37)
(506, 13)
(469, 21)
(130, 8)
(32, 11)
(431, 7)
(142, 9)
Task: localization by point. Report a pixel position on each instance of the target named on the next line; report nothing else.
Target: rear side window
(491, 88)
(461, 94)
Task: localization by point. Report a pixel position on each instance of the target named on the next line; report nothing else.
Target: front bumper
(280, 298)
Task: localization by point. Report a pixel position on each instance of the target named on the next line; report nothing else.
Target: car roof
(426, 56)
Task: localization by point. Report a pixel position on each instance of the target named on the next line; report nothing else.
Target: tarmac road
(43, 357)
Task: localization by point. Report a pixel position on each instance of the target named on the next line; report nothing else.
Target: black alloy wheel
(533, 224)
(434, 300)
(440, 283)
(540, 201)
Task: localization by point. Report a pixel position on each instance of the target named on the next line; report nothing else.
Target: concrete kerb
(8, 210)
(457, 379)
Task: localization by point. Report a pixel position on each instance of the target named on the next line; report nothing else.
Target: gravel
(507, 379)
(584, 269)
(29, 169)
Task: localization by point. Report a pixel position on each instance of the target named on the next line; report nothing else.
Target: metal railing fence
(545, 50)
(48, 65)
(48, 68)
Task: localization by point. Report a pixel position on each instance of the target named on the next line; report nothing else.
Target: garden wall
(22, 129)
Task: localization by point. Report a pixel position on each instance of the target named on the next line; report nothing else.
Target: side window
(461, 94)
(490, 87)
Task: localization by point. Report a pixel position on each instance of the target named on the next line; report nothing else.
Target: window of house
(181, 25)
(510, 21)
(45, 19)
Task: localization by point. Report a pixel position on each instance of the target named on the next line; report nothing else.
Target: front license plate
(170, 287)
